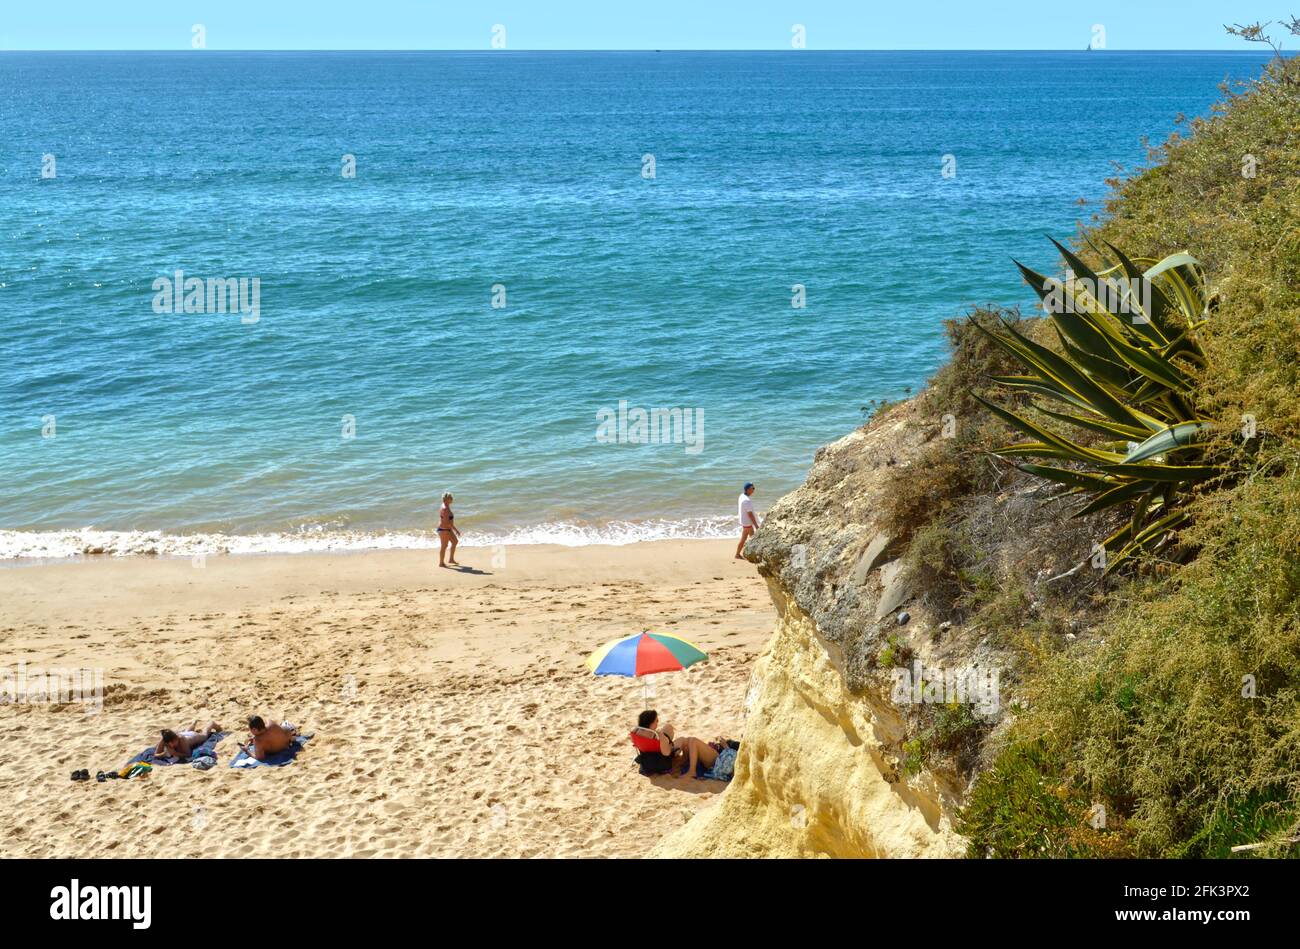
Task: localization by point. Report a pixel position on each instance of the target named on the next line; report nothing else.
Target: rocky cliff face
(823, 768)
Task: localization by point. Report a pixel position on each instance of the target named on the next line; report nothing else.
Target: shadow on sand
(693, 786)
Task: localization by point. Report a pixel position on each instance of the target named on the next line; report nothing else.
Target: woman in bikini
(448, 532)
(663, 753)
(180, 745)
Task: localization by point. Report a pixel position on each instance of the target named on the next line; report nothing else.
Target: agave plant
(1126, 369)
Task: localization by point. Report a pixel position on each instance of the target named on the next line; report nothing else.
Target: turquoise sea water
(525, 173)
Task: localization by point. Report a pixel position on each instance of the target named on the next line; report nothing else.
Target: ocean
(563, 286)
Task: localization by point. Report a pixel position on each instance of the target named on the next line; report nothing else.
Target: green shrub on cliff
(1182, 719)
(1023, 809)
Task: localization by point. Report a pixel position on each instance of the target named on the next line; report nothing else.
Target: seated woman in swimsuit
(180, 745)
(448, 532)
(664, 752)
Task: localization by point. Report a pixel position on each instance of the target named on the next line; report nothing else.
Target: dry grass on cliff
(953, 465)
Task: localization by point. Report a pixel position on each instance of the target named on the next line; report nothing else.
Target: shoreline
(431, 552)
(71, 544)
(453, 713)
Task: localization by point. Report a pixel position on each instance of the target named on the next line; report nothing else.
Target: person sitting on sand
(448, 532)
(181, 744)
(661, 752)
(268, 739)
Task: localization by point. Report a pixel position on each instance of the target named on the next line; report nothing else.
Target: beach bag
(725, 766)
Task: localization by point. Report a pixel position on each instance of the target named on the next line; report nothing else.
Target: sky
(629, 24)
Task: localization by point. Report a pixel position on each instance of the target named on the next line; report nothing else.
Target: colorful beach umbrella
(644, 654)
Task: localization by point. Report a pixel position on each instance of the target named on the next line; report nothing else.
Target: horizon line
(383, 49)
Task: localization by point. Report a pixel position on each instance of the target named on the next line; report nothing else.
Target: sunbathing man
(267, 739)
(665, 751)
(181, 745)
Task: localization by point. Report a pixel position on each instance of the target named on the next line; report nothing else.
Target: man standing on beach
(748, 519)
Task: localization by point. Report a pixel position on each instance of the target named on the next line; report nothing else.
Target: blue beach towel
(277, 760)
(208, 749)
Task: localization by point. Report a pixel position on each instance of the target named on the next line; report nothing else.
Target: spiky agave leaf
(1150, 537)
(1078, 479)
(1173, 438)
(1063, 447)
(1175, 474)
(1123, 491)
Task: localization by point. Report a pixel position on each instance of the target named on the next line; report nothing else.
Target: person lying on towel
(179, 744)
(661, 752)
(268, 739)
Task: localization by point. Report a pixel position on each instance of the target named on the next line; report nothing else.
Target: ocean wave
(66, 544)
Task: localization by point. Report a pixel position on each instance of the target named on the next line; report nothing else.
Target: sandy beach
(452, 712)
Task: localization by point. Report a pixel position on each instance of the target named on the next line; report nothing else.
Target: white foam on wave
(617, 533)
(64, 544)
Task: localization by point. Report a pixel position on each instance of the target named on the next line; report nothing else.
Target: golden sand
(452, 712)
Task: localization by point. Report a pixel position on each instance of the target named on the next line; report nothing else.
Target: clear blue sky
(630, 24)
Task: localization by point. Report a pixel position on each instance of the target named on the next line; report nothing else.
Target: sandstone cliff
(821, 770)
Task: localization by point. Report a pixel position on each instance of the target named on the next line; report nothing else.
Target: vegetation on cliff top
(1173, 729)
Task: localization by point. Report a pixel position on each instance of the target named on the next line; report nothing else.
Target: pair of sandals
(100, 776)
